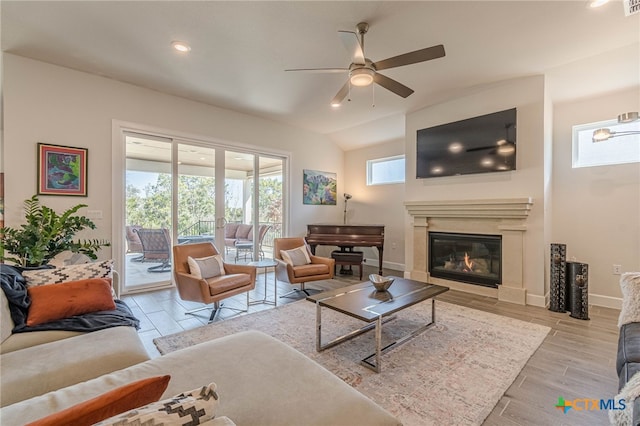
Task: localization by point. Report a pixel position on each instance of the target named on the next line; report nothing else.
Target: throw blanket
(14, 286)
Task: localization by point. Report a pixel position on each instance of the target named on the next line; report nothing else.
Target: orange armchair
(320, 268)
(237, 279)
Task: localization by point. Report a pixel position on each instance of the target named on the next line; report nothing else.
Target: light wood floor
(576, 360)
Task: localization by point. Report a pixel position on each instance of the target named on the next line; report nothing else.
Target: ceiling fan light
(628, 117)
(361, 77)
(335, 104)
(598, 3)
(601, 135)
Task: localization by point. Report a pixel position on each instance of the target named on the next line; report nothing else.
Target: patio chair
(320, 268)
(133, 241)
(236, 280)
(246, 246)
(156, 248)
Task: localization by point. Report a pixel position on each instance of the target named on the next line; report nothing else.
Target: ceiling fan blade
(320, 70)
(392, 85)
(353, 46)
(421, 55)
(342, 93)
(481, 148)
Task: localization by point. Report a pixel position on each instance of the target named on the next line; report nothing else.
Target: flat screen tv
(481, 144)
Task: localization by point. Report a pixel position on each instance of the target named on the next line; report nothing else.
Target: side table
(266, 264)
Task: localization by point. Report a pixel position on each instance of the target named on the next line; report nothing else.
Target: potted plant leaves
(45, 235)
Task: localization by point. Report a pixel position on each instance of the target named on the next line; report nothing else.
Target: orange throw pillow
(109, 404)
(57, 301)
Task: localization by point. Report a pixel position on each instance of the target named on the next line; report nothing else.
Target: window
(615, 150)
(384, 171)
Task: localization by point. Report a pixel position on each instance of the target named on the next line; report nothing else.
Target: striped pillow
(83, 271)
(296, 257)
(206, 267)
(194, 407)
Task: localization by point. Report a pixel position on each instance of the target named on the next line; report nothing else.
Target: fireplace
(469, 258)
(504, 217)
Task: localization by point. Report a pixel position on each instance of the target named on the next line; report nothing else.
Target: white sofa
(35, 363)
(261, 381)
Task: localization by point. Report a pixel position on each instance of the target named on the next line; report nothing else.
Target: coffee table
(363, 302)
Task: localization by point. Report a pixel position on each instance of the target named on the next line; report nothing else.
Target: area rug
(454, 373)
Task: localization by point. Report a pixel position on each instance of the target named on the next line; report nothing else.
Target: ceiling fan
(362, 71)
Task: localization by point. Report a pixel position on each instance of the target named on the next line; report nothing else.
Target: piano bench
(348, 258)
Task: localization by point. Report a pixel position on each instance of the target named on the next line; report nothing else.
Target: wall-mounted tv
(476, 145)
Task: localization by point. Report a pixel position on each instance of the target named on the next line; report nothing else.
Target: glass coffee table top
(364, 302)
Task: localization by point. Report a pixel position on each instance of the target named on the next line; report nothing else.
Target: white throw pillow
(206, 267)
(296, 257)
(201, 404)
(630, 286)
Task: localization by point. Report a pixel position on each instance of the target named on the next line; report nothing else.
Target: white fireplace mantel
(505, 208)
(505, 217)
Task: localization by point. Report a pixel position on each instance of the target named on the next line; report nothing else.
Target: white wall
(527, 95)
(378, 204)
(47, 103)
(596, 210)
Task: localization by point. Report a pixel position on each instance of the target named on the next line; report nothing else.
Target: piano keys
(347, 236)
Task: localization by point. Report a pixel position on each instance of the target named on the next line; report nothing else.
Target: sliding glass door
(148, 212)
(185, 192)
(196, 194)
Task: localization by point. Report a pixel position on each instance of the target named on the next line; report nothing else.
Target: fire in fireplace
(469, 258)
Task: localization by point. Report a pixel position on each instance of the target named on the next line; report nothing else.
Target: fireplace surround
(506, 218)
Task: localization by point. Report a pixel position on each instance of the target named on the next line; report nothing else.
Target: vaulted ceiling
(239, 50)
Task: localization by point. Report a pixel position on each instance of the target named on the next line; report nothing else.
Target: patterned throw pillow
(206, 267)
(83, 271)
(189, 408)
(296, 257)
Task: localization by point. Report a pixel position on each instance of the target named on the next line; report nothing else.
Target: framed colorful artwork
(319, 187)
(62, 170)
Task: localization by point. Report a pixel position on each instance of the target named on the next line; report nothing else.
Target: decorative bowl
(381, 283)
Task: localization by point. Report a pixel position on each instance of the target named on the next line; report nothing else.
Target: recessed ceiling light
(181, 46)
(335, 104)
(597, 3)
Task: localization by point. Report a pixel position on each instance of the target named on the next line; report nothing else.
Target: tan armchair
(320, 268)
(238, 279)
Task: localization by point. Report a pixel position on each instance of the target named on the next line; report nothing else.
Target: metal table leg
(377, 367)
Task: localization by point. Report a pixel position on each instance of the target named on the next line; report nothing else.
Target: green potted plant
(46, 234)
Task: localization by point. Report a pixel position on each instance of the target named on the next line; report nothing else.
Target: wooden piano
(347, 236)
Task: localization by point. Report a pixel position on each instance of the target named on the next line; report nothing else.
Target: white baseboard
(536, 300)
(389, 265)
(605, 301)
(595, 300)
